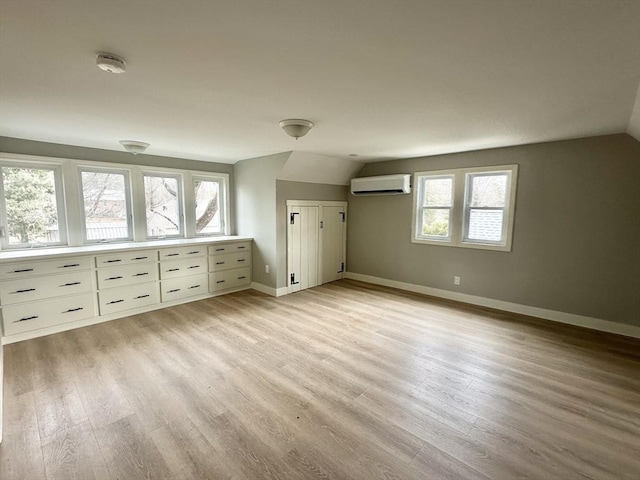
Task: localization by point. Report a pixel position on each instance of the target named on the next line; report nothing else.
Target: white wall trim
(553, 315)
(274, 292)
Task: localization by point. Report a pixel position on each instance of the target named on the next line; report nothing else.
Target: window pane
(485, 225)
(438, 192)
(207, 207)
(105, 205)
(435, 222)
(488, 190)
(161, 198)
(30, 202)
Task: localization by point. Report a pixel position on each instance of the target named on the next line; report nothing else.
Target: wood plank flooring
(343, 381)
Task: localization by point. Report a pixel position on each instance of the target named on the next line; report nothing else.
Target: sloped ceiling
(381, 79)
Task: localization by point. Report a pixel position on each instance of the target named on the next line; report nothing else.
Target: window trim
(128, 202)
(16, 161)
(180, 197)
(459, 221)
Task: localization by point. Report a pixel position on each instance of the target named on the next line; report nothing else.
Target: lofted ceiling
(210, 80)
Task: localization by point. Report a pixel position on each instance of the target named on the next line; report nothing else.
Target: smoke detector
(110, 63)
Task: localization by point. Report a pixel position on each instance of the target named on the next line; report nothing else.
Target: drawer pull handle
(220, 281)
(174, 290)
(139, 258)
(73, 310)
(241, 278)
(171, 254)
(71, 265)
(26, 318)
(113, 261)
(70, 284)
(141, 274)
(241, 248)
(194, 286)
(23, 270)
(242, 260)
(114, 301)
(25, 290)
(194, 266)
(113, 278)
(193, 253)
(220, 263)
(140, 296)
(220, 249)
(173, 270)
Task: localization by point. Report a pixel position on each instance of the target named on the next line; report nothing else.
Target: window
(436, 205)
(32, 212)
(163, 205)
(209, 206)
(470, 207)
(107, 205)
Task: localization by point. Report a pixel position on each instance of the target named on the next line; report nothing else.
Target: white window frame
(180, 198)
(56, 168)
(459, 216)
(223, 207)
(419, 207)
(128, 203)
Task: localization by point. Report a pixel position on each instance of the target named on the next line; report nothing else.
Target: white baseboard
(274, 292)
(562, 317)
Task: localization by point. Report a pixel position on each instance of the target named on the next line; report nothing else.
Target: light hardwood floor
(344, 381)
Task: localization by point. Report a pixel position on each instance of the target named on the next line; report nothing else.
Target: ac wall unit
(381, 185)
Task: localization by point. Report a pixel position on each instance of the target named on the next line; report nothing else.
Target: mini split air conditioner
(382, 185)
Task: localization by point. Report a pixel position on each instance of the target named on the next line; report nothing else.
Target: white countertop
(44, 253)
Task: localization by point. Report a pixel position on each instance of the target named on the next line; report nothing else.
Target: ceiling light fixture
(110, 63)
(296, 127)
(133, 146)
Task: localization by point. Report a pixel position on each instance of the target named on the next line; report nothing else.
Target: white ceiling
(209, 80)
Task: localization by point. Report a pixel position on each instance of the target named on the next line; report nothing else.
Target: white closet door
(302, 245)
(333, 236)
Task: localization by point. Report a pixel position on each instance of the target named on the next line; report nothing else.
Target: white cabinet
(183, 287)
(130, 297)
(183, 272)
(229, 266)
(39, 294)
(47, 292)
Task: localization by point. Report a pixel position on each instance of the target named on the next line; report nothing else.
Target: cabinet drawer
(181, 268)
(126, 258)
(184, 287)
(115, 300)
(34, 315)
(229, 279)
(182, 252)
(37, 288)
(228, 261)
(229, 248)
(30, 269)
(127, 275)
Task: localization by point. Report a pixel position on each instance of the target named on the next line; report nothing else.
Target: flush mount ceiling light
(132, 146)
(110, 63)
(296, 127)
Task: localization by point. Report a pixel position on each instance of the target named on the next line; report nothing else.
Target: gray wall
(256, 210)
(576, 244)
(57, 150)
(286, 190)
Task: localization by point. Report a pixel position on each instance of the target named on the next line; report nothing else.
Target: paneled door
(302, 246)
(333, 236)
(316, 243)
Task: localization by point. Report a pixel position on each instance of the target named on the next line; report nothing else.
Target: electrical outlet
(266, 269)
(456, 280)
